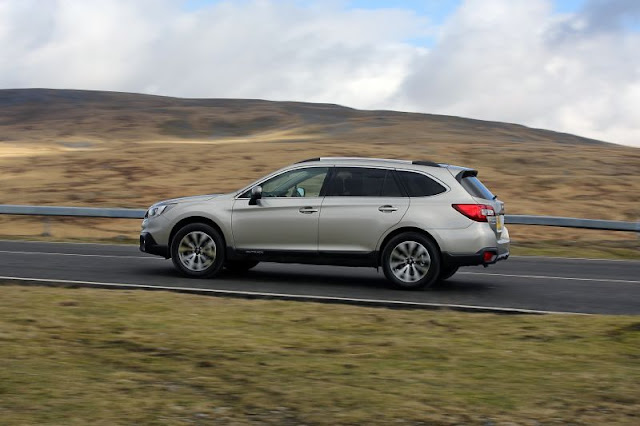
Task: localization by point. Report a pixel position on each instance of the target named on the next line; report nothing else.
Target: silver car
(417, 220)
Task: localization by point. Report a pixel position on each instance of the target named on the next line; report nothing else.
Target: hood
(192, 199)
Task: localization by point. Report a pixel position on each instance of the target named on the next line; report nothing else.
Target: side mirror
(300, 192)
(256, 194)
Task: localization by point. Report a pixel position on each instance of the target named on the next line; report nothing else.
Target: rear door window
(363, 182)
(419, 185)
(391, 187)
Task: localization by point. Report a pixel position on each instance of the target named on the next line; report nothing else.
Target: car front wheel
(198, 251)
(411, 261)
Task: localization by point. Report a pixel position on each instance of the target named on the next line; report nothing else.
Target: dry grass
(74, 356)
(101, 149)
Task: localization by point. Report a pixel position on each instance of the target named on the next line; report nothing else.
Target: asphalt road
(535, 283)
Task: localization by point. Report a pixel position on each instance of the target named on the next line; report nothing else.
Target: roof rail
(425, 163)
(389, 160)
(418, 163)
(356, 159)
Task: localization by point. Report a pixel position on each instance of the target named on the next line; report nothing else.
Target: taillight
(477, 212)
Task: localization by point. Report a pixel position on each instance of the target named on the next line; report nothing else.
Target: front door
(286, 217)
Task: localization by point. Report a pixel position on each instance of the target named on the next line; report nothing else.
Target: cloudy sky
(571, 66)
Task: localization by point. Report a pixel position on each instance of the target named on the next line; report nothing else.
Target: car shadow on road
(273, 278)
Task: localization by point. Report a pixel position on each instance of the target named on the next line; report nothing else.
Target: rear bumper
(489, 248)
(479, 258)
(149, 245)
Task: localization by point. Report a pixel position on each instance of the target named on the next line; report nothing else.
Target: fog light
(489, 257)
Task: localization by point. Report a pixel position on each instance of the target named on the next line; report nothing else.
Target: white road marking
(294, 296)
(458, 273)
(544, 277)
(81, 255)
(587, 259)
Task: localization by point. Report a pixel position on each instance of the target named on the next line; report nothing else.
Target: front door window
(296, 183)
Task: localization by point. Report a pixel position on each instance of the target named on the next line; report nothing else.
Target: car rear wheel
(197, 250)
(411, 261)
(239, 266)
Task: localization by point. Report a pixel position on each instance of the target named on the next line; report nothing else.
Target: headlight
(158, 210)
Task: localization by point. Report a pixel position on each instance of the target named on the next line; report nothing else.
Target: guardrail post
(46, 227)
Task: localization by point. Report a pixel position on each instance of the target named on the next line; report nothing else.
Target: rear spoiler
(466, 173)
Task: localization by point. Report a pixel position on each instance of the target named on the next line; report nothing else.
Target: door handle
(307, 210)
(387, 208)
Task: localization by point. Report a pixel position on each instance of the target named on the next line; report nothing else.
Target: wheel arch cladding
(196, 219)
(399, 231)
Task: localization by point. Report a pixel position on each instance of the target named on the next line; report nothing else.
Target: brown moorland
(88, 148)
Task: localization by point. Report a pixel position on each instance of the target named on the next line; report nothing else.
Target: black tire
(415, 257)
(201, 246)
(240, 266)
(447, 272)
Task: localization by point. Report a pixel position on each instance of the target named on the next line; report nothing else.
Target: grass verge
(74, 356)
(622, 250)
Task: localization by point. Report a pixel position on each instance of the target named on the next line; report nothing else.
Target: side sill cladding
(339, 258)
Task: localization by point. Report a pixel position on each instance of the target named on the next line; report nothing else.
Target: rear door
(360, 205)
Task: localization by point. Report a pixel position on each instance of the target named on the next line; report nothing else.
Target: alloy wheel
(410, 261)
(197, 251)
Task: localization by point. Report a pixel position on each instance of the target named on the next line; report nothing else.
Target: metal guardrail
(114, 213)
(121, 213)
(572, 222)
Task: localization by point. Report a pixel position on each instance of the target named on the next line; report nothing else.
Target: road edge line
(393, 304)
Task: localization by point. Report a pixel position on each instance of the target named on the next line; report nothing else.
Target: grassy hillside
(110, 357)
(117, 149)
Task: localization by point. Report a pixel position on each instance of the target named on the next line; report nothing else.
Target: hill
(71, 147)
(46, 113)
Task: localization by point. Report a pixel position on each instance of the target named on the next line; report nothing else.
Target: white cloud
(267, 49)
(510, 60)
(504, 60)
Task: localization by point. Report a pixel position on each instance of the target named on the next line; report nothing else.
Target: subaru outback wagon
(417, 220)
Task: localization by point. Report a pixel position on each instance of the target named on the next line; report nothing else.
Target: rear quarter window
(419, 185)
(476, 188)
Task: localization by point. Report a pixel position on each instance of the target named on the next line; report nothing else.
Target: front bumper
(149, 245)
